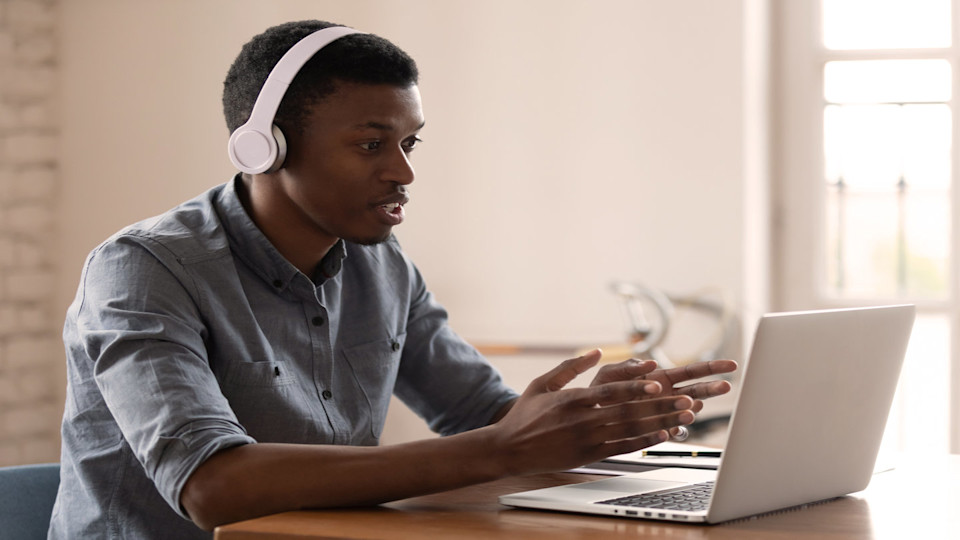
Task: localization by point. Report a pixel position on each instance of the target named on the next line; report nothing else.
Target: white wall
(568, 143)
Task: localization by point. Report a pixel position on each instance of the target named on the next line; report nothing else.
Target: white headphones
(259, 146)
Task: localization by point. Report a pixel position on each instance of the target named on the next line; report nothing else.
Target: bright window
(868, 207)
(887, 125)
(886, 24)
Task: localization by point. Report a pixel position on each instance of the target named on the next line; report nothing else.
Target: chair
(27, 493)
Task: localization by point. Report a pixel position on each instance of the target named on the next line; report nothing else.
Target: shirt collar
(331, 263)
(250, 244)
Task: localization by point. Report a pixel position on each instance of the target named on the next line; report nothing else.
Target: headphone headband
(258, 146)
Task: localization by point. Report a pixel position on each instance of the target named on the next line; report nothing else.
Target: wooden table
(890, 508)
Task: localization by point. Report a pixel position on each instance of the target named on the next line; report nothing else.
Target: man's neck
(302, 246)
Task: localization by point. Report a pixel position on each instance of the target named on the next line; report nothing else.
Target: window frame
(798, 206)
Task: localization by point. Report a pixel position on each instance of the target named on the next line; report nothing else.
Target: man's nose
(398, 168)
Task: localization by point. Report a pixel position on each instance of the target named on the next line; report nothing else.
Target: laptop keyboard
(690, 498)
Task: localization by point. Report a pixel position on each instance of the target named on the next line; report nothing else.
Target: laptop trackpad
(626, 484)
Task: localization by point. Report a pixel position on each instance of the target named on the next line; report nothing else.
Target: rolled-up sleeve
(139, 323)
(442, 377)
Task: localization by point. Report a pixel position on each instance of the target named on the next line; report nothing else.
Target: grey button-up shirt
(190, 333)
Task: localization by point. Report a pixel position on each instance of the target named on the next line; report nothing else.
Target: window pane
(920, 417)
(926, 247)
(887, 81)
(925, 144)
(885, 24)
(862, 244)
(888, 201)
(885, 245)
(873, 146)
(861, 145)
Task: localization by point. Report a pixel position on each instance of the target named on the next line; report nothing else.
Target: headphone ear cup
(252, 150)
(281, 144)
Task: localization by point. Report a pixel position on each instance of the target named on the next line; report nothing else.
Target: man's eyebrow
(382, 127)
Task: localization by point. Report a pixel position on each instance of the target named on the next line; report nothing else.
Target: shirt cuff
(187, 450)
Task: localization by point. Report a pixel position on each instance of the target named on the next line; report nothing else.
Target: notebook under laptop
(807, 426)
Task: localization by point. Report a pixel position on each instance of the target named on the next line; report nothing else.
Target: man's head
(358, 58)
(351, 118)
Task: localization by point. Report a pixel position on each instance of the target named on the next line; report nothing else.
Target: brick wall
(31, 353)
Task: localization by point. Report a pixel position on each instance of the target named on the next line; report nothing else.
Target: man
(235, 356)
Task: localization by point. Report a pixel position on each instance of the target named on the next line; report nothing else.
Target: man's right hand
(552, 428)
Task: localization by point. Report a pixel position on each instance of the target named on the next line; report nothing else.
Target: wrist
(493, 451)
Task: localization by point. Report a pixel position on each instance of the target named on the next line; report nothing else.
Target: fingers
(697, 370)
(624, 427)
(705, 390)
(578, 425)
(615, 392)
(639, 416)
(702, 391)
(611, 392)
(650, 415)
(631, 424)
(624, 371)
(630, 403)
(567, 371)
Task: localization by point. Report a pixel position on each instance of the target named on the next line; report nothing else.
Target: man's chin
(370, 240)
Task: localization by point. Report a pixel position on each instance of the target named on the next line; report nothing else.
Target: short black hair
(356, 58)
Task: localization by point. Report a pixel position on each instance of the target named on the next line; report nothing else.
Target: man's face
(346, 175)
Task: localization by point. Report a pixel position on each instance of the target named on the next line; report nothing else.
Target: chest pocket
(269, 403)
(374, 367)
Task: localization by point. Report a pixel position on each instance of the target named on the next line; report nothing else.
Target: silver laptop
(809, 419)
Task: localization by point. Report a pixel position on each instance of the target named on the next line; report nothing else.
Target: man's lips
(391, 208)
(393, 202)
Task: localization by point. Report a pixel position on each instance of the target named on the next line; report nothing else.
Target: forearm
(502, 412)
(547, 429)
(259, 479)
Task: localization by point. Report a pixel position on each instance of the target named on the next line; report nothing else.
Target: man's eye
(411, 143)
(372, 145)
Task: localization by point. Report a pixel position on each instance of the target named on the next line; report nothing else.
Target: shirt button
(327, 394)
(395, 345)
(317, 321)
(277, 283)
